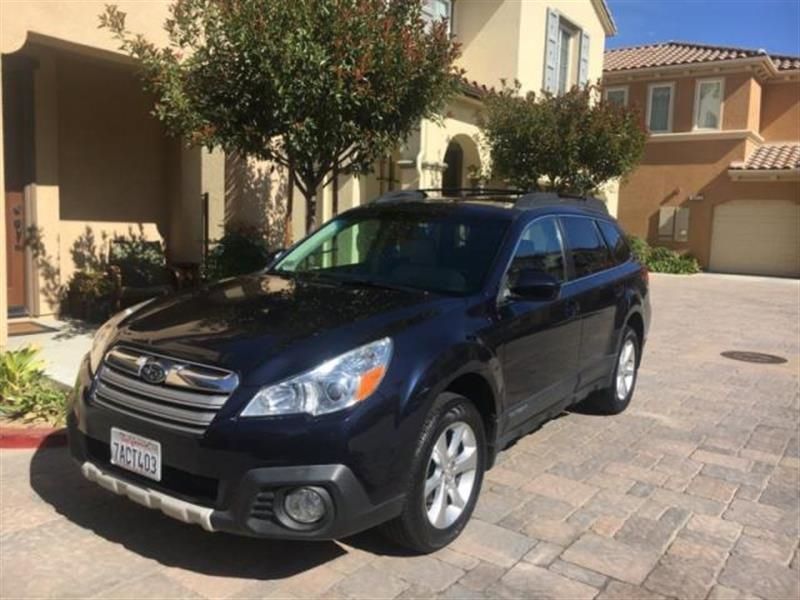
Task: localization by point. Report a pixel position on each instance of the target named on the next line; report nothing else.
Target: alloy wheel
(626, 369)
(450, 476)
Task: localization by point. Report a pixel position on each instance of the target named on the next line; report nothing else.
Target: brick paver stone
(492, 543)
(537, 582)
(611, 557)
(763, 578)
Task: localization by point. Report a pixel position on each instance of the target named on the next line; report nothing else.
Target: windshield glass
(446, 253)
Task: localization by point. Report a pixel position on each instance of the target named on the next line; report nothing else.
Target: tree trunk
(311, 211)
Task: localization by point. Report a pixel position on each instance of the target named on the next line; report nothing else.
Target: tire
(430, 522)
(615, 398)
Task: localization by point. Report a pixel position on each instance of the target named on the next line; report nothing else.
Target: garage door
(758, 237)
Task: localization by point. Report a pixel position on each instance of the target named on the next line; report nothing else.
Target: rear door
(538, 339)
(597, 292)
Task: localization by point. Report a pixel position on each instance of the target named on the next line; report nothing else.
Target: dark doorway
(453, 174)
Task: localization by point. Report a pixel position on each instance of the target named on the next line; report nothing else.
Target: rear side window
(616, 242)
(588, 250)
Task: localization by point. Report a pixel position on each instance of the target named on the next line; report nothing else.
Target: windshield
(446, 253)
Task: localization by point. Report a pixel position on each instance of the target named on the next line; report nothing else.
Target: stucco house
(720, 176)
(83, 158)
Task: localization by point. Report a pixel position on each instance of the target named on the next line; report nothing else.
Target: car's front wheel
(446, 476)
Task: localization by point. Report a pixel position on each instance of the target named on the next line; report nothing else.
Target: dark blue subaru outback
(371, 373)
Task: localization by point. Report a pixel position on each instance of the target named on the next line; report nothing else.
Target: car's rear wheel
(615, 398)
(446, 476)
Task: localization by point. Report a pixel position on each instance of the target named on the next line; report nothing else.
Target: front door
(19, 170)
(15, 250)
(539, 339)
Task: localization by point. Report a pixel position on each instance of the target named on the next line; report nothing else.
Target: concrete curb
(32, 437)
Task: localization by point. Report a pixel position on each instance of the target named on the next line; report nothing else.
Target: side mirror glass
(530, 284)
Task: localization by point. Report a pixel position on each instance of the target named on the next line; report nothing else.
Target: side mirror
(531, 284)
(275, 255)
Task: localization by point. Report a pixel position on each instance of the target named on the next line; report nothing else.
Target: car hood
(243, 322)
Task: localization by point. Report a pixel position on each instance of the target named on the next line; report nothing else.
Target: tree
(315, 86)
(568, 143)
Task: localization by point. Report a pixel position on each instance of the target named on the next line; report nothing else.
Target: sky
(773, 25)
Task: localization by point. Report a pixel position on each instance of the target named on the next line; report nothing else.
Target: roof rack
(539, 199)
(520, 199)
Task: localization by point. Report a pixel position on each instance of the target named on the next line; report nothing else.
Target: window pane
(588, 250)
(563, 59)
(615, 241)
(616, 97)
(436, 10)
(708, 104)
(539, 249)
(659, 108)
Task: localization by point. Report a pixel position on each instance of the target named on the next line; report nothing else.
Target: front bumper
(255, 508)
(234, 480)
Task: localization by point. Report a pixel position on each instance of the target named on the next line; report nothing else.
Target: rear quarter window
(616, 242)
(588, 249)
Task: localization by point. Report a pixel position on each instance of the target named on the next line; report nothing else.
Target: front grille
(263, 507)
(187, 400)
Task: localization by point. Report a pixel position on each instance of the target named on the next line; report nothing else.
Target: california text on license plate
(136, 453)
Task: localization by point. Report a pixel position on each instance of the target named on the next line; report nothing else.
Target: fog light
(305, 505)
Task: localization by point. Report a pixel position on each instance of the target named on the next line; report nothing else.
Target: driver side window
(539, 249)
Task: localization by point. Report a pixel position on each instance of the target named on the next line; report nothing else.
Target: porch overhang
(764, 175)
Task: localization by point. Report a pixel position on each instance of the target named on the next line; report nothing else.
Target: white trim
(707, 134)
(650, 88)
(617, 88)
(764, 174)
(697, 85)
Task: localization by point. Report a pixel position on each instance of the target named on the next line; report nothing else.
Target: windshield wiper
(371, 283)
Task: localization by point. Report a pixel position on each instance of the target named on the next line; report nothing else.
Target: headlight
(106, 332)
(334, 385)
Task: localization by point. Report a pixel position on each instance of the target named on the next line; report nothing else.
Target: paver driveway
(693, 492)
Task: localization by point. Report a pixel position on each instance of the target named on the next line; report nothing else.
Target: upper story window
(566, 54)
(659, 107)
(436, 10)
(708, 104)
(617, 95)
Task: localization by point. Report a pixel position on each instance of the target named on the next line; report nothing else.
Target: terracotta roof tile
(684, 53)
(472, 88)
(771, 156)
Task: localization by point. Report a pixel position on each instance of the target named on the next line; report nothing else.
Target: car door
(597, 293)
(538, 339)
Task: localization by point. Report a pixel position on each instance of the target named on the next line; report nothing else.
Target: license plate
(135, 453)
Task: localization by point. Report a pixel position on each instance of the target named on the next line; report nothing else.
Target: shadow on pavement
(57, 480)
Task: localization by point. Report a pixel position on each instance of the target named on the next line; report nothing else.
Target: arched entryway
(462, 162)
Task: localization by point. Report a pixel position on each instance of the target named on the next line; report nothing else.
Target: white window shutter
(666, 222)
(551, 51)
(583, 63)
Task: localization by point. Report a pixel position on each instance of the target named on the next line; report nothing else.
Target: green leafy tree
(568, 143)
(315, 86)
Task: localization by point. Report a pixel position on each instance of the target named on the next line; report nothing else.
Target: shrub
(89, 295)
(25, 391)
(239, 251)
(662, 260)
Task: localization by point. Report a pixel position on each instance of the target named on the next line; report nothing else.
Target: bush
(662, 260)
(89, 295)
(25, 391)
(239, 251)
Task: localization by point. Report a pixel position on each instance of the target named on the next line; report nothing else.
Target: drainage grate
(754, 357)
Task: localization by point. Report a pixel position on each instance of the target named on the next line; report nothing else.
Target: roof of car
(503, 205)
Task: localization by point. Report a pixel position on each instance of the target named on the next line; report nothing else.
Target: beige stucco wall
(76, 21)
(505, 39)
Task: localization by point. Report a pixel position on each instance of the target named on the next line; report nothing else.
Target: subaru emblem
(152, 371)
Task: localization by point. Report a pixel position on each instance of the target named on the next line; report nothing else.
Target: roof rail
(539, 199)
(401, 196)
